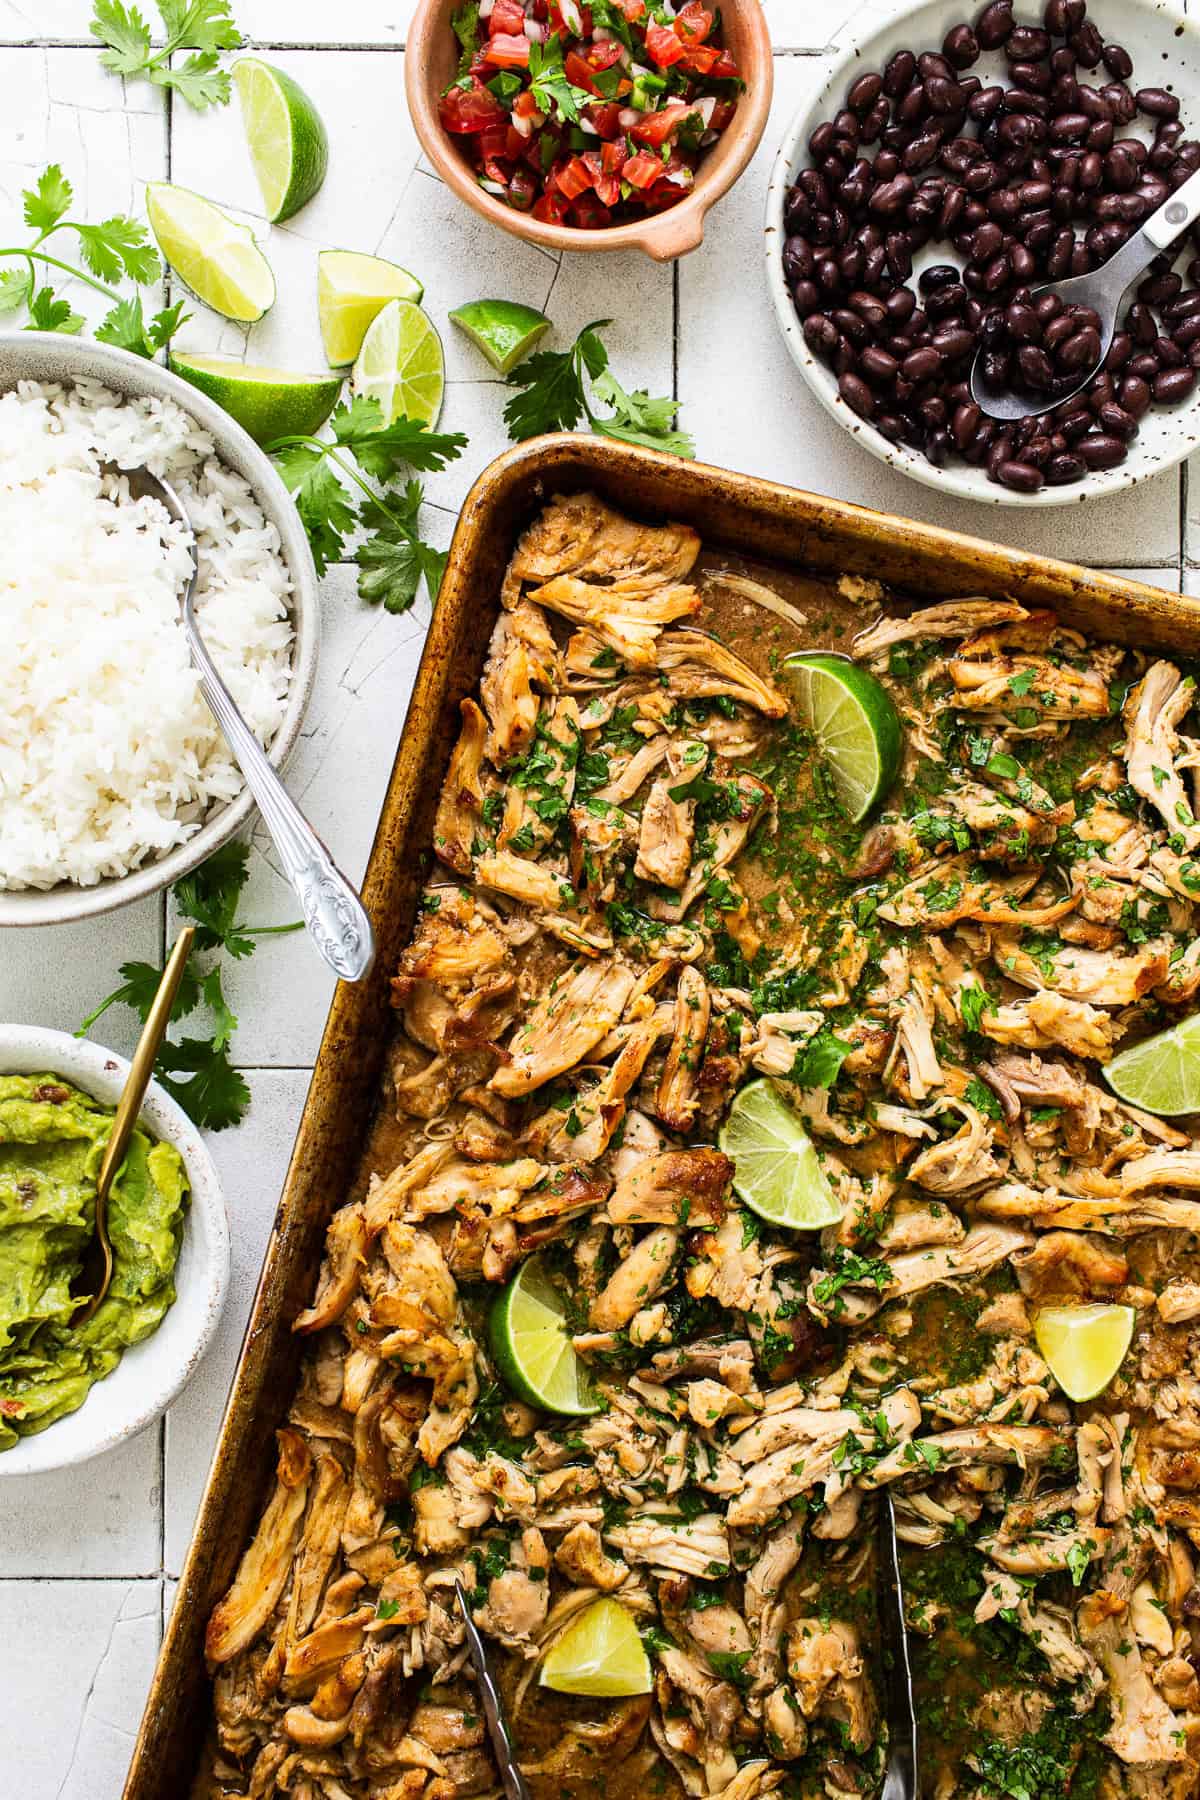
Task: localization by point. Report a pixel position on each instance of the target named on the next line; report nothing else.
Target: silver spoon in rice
(336, 919)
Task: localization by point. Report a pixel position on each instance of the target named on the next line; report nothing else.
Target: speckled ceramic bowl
(1165, 49)
(148, 1376)
(46, 356)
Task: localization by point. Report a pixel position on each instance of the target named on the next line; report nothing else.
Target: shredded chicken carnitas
(645, 897)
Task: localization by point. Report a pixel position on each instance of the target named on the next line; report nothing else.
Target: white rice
(108, 753)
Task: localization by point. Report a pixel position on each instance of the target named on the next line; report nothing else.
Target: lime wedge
(601, 1655)
(211, 253)
(1162, 1073)
(353, 289)
(776, 1171)
(1083, 1345)
(855, 724)
(287, 141)
(503, 329)
(527, 1331)
(401, 364)
(268, 403)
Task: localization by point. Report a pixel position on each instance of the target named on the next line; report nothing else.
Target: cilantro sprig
(198, 1071)
(118, 249)
(205, 27)
(394, 559)
(557, 388)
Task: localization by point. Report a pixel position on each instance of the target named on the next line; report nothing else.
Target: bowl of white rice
(115, 779)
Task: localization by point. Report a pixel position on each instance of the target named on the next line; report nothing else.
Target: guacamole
(52, 1138)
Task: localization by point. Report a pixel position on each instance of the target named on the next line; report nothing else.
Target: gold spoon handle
(141, 1068)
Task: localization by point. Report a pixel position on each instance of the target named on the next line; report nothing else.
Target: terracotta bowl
(430, 64)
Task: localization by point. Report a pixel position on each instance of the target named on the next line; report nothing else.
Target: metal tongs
(511, 1778)
(901, 1776)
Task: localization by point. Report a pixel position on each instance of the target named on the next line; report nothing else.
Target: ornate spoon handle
(334, 914)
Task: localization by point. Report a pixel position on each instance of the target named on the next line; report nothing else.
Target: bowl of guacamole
(68, 1393)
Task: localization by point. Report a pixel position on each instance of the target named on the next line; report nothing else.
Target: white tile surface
(252, 1161)
(115, 1534)
(78, 1656)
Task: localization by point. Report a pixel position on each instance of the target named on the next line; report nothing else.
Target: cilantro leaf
(224, 1018)
(392, 565)
(118, 247)
(210, 896)
(48, 313)
(554, 397)
(818, 1062)
(214, 1094)
(139, 985)
(379, 450)
(126, 327)
(14, 290)
(205, 27)
(46, 204)
(973, 1002)
(978, 1094)
(125, 32)
(465, 25)
(199, 25)
(199, 80)
(321, 500)
(549, 85)
(638, 419)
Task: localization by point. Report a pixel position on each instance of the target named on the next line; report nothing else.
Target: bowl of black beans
(952, 168)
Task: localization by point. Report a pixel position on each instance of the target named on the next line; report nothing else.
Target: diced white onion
(706, 108)
(638, 69)
(708, 137)
(586, 126)
(628, 117)
(600, 35)
(535, 31)
(572, 17)
(493, 187)
(522, 125)
(680, 178)
(485, 8)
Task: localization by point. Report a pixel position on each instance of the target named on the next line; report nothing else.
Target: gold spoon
(96, 1272)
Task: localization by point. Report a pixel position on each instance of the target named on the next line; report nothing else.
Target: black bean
(985, 104)
(898, 76)
(1135, 396)
(1037, 371)
(856, 394)
(1116, 420)
(864, 92)
(960, 47)
(1158, 103)
(1100, 450)
(1068, 127)
(1144, 365)
(1117, 61)
(821, 334)
(1087, 44)
(1026, 43)
(994, 25)
(1023, 323)
(1063, 468)
(1022, 477)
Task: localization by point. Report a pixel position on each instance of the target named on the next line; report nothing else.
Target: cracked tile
(252, 1161)
(87, 1651)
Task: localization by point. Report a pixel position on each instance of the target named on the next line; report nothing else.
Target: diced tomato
(725, 69)
(579, 73)
(508, 19)
(574, 178)
(605, 120)
(662, 46)
(514, 144)
(608, 187)
(541, 9)
(589, 214)
(604, 55)
(613, 157)
(467, 110)
(525, 104)
(700, 59)
(693, 22)
(657, 127)
(508, 52)
(642, 171)
(522, 189)
(722, 113)
(495, 171)
(633, 9)
(550, 207)
(494, 141)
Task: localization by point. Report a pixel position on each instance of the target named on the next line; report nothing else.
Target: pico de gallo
(589, 114)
